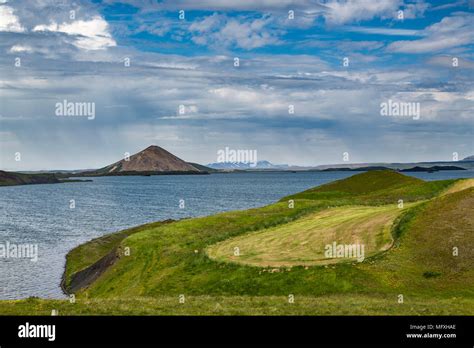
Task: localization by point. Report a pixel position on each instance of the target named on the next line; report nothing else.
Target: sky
(165, 73)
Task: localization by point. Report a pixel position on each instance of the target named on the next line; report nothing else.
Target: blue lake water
(41, 214)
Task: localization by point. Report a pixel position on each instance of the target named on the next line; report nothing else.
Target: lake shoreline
(84, 261)
(111, 204)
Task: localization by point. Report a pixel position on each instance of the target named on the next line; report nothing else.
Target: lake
(59, 217)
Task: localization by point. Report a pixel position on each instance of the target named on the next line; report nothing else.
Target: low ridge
(369, 182)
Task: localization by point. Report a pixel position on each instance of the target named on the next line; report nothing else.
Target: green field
(422, 252)
(245, 305)
(302, 242)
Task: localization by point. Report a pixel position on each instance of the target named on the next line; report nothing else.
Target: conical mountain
(152, 159)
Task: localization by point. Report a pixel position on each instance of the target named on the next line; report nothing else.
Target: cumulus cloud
(346, 11)
(220, 30)
(160, 28)
(9, 21)
(88, 34)
(207, 24)
(415, 10)
(341, 12)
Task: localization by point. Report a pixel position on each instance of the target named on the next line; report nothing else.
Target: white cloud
(415, 10)
(222, 31)
(247, 35)
(159, 27)
(21, 48)
(89, 34)
(450, 32)
(207, 24)
(384, 31)
(237, 95)
(9, 21)
(340, 12)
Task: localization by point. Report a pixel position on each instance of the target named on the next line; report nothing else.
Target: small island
(153, 160)
(431, 169)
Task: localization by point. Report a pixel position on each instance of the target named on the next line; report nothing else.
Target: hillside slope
(435, 251)
(374, 187)
(13, 178)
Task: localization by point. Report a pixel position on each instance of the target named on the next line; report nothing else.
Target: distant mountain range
(466, 163)
(246, 166)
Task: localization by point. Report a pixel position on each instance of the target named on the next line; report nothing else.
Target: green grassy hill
(425, 259)
(169, 260)
(368, 182)
(374, 188)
